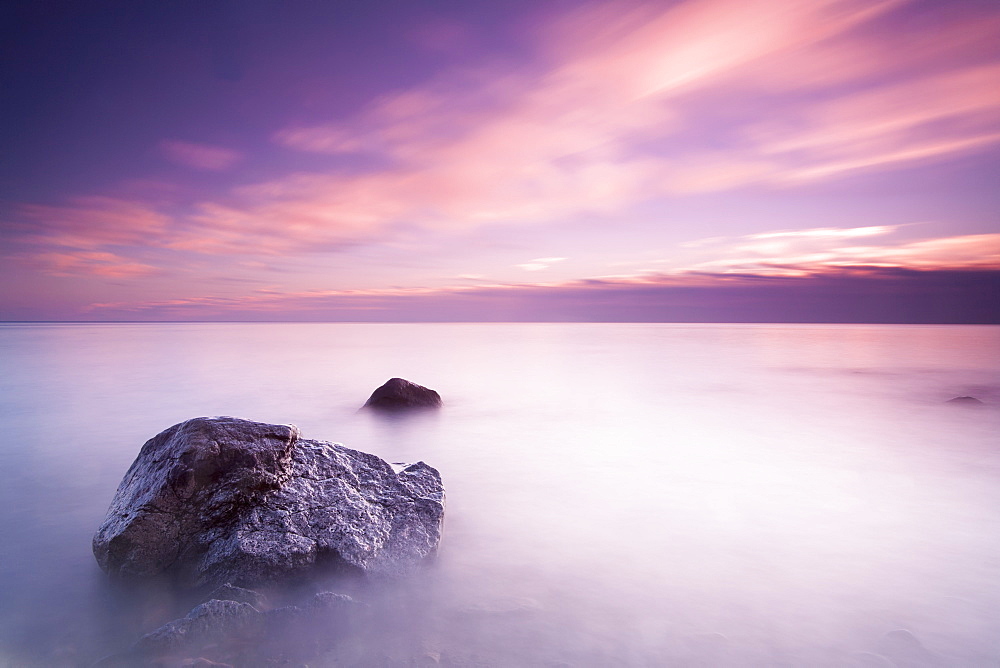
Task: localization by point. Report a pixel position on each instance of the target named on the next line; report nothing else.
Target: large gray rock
(399, 394)
(222, 500)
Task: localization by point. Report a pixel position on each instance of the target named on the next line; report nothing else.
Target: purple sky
(705, 160)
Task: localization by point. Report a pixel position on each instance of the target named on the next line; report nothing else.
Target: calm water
(618, 495)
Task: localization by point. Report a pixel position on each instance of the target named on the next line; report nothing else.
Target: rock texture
(235, 631)
(398, 394)
(228, 633)
(222, 500)
(211, 622)
(228, 592)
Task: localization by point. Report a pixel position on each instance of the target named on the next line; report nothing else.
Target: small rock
(965, 401)
(398, 394)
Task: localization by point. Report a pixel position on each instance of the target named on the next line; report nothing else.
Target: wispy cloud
(89, 236)
(573, 136)
(919, 120)
(621, 103)
(972, 261)
(92, 222)
(199, 156)
(540, 263)
(90, 263)
(824, 233)
(811, 251)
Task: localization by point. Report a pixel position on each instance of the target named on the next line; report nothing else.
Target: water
(618, 494)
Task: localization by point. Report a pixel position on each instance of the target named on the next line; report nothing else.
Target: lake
(617, 494)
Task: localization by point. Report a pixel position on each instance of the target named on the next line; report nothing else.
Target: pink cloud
(568, 138)
(827, 232)
(921, 119)
(805, 252)
(90, 236)
(540, 263)
(601, 122)
(974, 251)
(654, 51)
(820, 254)
(92, 222)
(90, 263)
(199, 156)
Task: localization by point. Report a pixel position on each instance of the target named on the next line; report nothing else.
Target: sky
(689, 160)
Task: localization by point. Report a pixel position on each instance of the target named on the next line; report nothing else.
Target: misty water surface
(618, 495)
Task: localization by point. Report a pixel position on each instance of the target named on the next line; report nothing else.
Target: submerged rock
(239, 632)
(228, 592)
(209, 623)
(399, 394)
(965, 401)
(221, 500)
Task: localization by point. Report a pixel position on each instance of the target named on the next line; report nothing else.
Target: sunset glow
(455, 161)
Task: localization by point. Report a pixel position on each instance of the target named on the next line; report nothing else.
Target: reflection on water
(631, 495)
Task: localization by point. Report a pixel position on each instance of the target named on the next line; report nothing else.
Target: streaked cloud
(609, 125)
(604, 121)
(90, 263)
(742, 264)
(199, 156)
(919, 120)
(540, 263)
(810, 251)
(89, 236)
(825, 233)
(92, 222)
(573, 138)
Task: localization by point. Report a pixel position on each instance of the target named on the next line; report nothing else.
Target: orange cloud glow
(805, 252)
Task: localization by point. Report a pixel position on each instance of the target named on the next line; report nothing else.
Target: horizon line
(495, 322)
